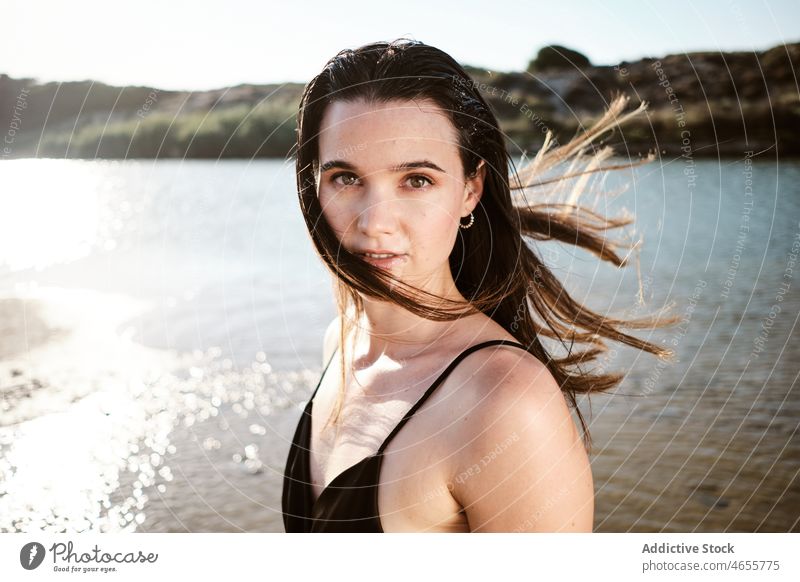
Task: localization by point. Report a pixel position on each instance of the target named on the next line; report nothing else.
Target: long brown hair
(494, 267)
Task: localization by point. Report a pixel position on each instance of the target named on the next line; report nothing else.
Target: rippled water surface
(162, 322)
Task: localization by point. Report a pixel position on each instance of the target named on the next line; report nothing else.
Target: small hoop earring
(470, 223)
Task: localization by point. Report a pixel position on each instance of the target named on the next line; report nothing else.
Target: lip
(387, 263)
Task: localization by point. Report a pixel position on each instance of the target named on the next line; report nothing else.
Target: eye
(348, 179)
(418, 181)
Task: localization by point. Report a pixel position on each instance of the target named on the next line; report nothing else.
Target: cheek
(335, 212)
(434, 227)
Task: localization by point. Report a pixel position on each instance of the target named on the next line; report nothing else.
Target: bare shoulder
(506, 384)
(520, 464)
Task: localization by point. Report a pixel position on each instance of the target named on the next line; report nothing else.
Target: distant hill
(727, 102)
(86, 119)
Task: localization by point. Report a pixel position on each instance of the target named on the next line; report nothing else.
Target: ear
(473, 187)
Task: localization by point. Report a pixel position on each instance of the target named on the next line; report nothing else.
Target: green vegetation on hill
(93, 120)
(240, 132)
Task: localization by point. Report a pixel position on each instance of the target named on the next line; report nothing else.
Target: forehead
(387, 132)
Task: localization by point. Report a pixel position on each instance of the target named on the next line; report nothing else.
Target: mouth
(385, 260)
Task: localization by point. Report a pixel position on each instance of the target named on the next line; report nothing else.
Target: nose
(377, 216)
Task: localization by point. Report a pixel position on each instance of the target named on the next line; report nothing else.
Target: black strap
(439, 380)
(325, 369)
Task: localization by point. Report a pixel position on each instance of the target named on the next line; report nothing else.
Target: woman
(443, 412)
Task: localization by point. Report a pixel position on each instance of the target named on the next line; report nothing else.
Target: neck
(388, 330)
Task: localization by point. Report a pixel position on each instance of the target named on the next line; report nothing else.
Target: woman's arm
(522, 466)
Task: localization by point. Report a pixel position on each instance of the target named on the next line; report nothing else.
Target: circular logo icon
(31, 555)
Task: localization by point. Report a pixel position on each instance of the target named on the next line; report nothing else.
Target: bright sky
(204, 44)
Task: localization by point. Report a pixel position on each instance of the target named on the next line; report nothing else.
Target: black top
(350, 502)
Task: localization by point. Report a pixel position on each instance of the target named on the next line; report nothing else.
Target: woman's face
(390, 180)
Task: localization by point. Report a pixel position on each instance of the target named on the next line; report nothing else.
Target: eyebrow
(344, 165)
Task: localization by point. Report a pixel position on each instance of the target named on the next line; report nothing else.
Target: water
(162, 324)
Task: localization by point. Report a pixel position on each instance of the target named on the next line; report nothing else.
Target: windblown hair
(494, 267)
